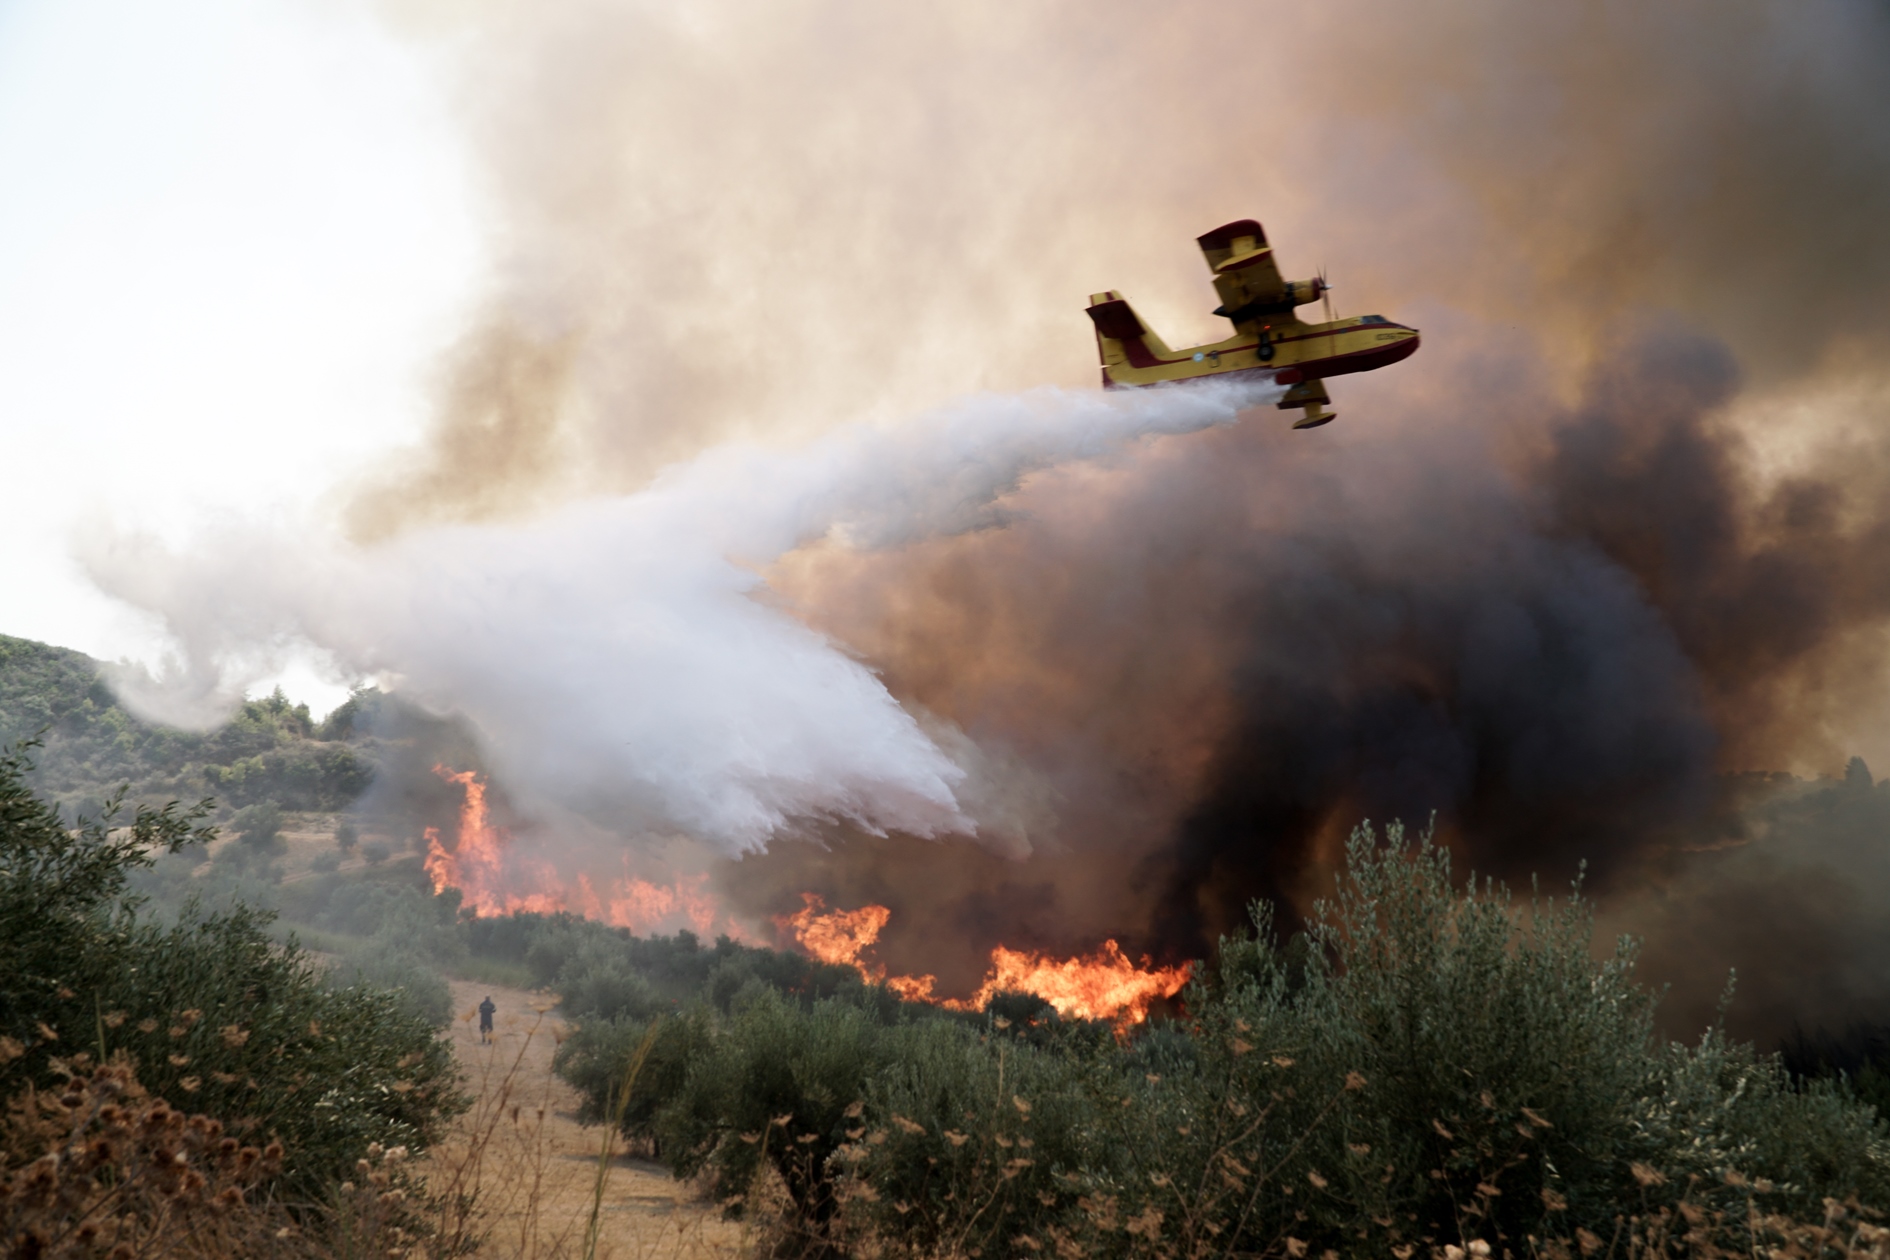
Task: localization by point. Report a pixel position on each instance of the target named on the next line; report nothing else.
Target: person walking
(486, 1011)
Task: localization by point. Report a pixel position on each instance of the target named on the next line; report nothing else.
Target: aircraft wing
(1245, 274)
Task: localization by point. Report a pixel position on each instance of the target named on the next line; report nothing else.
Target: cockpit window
(1373, 319)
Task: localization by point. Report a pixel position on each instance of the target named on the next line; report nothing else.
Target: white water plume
(611, 654)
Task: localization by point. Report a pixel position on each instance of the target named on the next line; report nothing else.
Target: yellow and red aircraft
(1269, 340)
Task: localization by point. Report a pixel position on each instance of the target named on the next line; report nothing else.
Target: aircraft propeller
(1325, 294)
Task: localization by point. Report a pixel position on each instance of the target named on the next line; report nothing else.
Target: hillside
(271, 751)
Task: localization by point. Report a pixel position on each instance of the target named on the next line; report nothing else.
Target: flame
(837, 936)
(495, 879)
(1102, 985)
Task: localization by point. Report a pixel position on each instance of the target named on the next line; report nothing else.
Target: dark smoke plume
(1617, 533)
(1223, 658)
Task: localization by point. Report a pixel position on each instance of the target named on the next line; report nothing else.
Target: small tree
(346, 837)
(259, 827)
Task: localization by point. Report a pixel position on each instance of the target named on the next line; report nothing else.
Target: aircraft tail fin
(1122, 339)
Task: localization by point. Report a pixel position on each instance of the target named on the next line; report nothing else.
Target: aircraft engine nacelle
(1301, 292)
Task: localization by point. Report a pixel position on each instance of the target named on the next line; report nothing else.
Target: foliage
(420, 992)
(970, 1137)
(269, 750)
(594, 1058)
(259, 826)
(606, 973)
(210, 1011)
(62, 897)
(98, 1167)
(778, 1087)
(1424, 1066)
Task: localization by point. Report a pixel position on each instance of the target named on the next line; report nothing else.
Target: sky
(234, 238)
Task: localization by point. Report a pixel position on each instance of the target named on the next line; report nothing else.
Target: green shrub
(419, 991)
(216, 1016)
(971, 1138)
(606, 988)
(274, 1047)
(63, 905)
(1422, 1065)
(397, 918)
(779, 1086)
(259, 826)
(593, 1059)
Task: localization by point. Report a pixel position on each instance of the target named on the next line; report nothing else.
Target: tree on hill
(270, 750)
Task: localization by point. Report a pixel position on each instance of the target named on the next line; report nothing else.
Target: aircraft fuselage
(1269, 340)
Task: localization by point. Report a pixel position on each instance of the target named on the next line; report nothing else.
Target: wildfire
(494, 878)
(1103, 985)
(837, 936)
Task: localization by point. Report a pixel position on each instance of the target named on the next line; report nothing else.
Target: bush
(598, 982)
(346, 837)
(779, 1087)
(211, 1013)
(420, 992)
(99, 1167)
(971, 1139)
(1423, 1066)
(375, 853)
(594, 1057)
(259, 827)
(397, 919)
(62, 903)
(1428, 1066)
(215, 1013)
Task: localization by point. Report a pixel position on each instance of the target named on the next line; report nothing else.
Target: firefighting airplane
(1269, 340)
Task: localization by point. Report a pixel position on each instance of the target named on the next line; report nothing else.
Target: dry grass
(100, 1168)
(520, 1178)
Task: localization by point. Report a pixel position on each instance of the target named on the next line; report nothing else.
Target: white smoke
(612, 655)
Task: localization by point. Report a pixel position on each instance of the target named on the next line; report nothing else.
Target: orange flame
(837, 936)
(494, 879)
(1103, 985)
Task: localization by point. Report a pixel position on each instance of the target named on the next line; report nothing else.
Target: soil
(533, 1169)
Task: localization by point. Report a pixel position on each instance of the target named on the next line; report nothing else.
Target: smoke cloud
(1615, 533)
(613, 654)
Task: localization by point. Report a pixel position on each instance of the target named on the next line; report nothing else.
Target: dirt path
(533, 1169)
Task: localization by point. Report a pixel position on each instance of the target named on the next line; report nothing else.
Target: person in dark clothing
(486, 1011)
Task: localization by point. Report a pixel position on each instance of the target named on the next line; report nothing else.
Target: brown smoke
(1615, 530)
